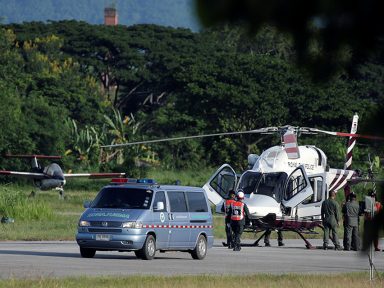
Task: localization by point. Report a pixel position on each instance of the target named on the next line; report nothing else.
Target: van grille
(104, 230)
(105, 224)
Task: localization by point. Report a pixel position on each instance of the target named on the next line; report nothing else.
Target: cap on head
(240, 195)
(372, 193)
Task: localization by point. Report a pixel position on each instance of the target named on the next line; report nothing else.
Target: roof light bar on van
(132, 181)
(146, 181)
(123, 180)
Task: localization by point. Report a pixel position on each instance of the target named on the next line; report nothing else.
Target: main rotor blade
(341, 134)
(94, 175)
(262, 130)
(23, 174)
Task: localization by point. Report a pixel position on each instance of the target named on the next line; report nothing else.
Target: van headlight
(132, 224)
(83, 223)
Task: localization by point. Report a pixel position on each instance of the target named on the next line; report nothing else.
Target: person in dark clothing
(351, 217)
(226, 209)
(268, 234)
(348, 198)
(368, 216)
(330, 215)
(238, 211)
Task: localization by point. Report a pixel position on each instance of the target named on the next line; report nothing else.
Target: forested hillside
(179, 13)
(69, 87)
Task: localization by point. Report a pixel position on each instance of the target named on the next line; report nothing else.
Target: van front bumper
(111, 242)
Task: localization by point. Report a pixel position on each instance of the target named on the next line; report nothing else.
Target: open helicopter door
(219, 185)
(297, 189)
(311, 207)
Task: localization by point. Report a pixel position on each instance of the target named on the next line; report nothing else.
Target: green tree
(321, 30)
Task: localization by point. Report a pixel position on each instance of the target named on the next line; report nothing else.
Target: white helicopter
(50, 176)
(286, 185)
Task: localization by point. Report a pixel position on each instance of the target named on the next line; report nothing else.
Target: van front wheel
(149, 249)
(201, 248)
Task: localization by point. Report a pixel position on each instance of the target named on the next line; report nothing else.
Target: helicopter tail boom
(32, 156)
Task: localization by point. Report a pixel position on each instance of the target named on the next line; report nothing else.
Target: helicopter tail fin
(290, 145)
(351, 145)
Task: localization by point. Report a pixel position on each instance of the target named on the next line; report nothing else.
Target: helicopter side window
(223, 182)
(296, 183)
(317, 187)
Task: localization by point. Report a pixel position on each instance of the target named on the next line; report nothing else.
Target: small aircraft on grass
(286, 185)
(51, 176)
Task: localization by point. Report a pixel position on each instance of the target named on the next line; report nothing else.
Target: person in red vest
(226, 209)
(377, 209)
(238, 211)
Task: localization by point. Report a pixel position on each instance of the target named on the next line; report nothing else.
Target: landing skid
(308, 245)
(61, 193)
(270, 222)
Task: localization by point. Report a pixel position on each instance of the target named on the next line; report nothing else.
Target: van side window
(197, 202)
(177, 201)
(160, 197)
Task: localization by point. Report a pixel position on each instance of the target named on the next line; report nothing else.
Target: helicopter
(285, 186)
(52, 175)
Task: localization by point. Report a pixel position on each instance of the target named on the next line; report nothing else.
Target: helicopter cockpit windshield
(270, 184)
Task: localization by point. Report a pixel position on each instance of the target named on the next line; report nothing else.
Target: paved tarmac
(62, 258)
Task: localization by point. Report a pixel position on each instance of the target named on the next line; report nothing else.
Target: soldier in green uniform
(351, 215)
(330, 215)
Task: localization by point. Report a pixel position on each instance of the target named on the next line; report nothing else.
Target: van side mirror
(159, 206)
(87, 203)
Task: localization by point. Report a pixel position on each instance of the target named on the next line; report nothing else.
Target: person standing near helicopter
(376, 209)
(330, 215)
(226, 209)
(351, 223)
(238, 211)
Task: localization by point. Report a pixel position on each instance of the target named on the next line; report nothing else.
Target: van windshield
(123, 198)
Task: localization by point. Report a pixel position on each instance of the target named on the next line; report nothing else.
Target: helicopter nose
(54, 171)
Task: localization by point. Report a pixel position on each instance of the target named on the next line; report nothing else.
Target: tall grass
(15, 204)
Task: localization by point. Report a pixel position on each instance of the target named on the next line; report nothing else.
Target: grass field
(351, 280)
(46, 217)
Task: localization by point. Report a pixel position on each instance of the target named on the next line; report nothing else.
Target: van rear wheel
(149, 248)
(201, 248)
(87, 252)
